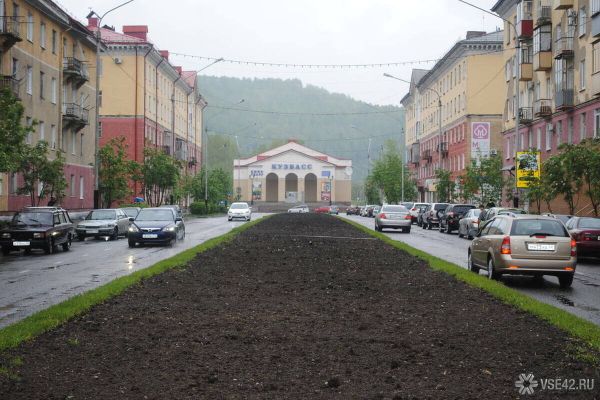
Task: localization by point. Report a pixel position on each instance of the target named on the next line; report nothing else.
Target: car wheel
(492, 274)
(423, 225)
(115, 234)
(5, 251)
(228, 219)
(460, 235)
(440, 228)
(407, 230)
(27, 251)
(131, 243)
(67, 245)
(81, 238)
(470, 266)
(50, 247)
(565, 281)
(448, 230)
(429, 226)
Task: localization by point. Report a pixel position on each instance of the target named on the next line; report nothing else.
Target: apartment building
(453, 111)
(147, 99)
(45, 57)
(556, 73)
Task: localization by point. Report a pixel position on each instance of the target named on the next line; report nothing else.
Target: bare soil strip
(274, 316)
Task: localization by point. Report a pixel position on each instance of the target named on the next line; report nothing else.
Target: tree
(159, 175)
(372, 191)
(115, 172)
(12, 132)
(219, 185)
(587, 154)
(40, 172)
(484, 181)
(387, 176)
(445, 186)
(563, 175)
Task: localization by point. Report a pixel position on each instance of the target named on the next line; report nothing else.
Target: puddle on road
(564, 300)
(7, 307)
(568, 302)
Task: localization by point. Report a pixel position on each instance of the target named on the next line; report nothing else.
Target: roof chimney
(164, 54)
(92, 22)
(475, 34)
(138, 31)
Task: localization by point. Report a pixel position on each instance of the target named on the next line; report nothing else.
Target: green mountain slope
(275, 110)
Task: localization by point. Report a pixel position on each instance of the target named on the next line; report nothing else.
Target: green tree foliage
(160, 175)
(587, 154)
(372, 191)
(484, 181)
(343, 134)
(37, 169)
(219, 186)
(116, 171)
(563, 175)
(12, 132)
(387, 176)
(445, 186)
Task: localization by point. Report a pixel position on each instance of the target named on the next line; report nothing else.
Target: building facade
(453, 112)
(45, 59)
(557, 75)
(147, 99)
(293, 173)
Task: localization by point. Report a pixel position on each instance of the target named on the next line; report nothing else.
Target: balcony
(9, 32)
(526, 115)
(427, 155)
(542, 108)
(443, 149)
(75, 71)
(564, 99)
(562, 4)
(526, 66)
(524, 19)
(596, 84)
(75, 116)
(563, 47)
(542, 61)
(544, 16)
(10, 83)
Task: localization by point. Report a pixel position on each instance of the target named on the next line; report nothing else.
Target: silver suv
(432, 214)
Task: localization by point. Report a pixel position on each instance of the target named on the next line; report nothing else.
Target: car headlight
(169, 229)
(6, 236)
(38, 235)
(133, 228)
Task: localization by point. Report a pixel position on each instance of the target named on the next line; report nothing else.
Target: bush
(199, 208)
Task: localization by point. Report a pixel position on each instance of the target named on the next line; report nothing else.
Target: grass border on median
(45, 320)
(577, 327)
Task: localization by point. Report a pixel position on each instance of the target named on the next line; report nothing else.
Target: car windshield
(101, 214)
(475, 212)
(440, 206)
(131, 212)
(394, 209)
(155, 215)
(238, 206)
(408, 205)
(589, 223)
(32, 218)
(462, 209)
(529, 227)
(511, 211)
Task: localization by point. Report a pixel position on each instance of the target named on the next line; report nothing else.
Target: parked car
(469, 224)
(375, 211)
(352, 210)
(393, 216)
(421, 214)
(414, 210)
(239, 210)
(334, 210)
(322, 210)
(586, 232)
(175, 208)
(369, 212)
(365, 210)
(111, 222)
(131, 211)
(524, 245)
(432, 214)
(43, 228)
(451, 216)
(301, 209)
(562, 217)
(491, 212)
(155, 226)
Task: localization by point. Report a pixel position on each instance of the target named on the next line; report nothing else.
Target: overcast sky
(303, 32)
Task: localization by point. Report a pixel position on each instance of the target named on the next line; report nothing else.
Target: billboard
(528, 167)
(256, 190)
(325, 191)
(480, 139)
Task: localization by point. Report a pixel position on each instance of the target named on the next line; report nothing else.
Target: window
(542, 39)
(42, 76)
(42, 130)
(53, 136)
(81, 145)
(507, 148)
(548, 89)
(539, 139)
(15, 67)
(65, 47)
(13, 184)
(548, 138)
(582, 127)
(597, 123)
(559, 132)
(43, 35)
(81, 188)
(54, 41)
(29, 79)
(63, 144)
(582, 21)
(28, 123)
(72, 185)
(29, 26)
(570, 130)
(73, 143)
(530, 139)
(99, 129)
(521, 141)
(594, 7)
(582, 74)
(53, 90)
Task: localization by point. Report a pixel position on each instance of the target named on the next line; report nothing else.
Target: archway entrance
(272, 187)
(310, 188)
(291, 188)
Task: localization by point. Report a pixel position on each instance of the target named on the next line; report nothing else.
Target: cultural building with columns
(293, 173)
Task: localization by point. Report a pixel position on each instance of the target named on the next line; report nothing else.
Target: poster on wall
(480, 139)
(325, 191)
(256, 190)
(528, 168)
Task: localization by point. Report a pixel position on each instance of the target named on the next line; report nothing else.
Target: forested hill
(274, 110)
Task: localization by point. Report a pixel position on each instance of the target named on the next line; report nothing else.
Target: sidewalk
(302, 307)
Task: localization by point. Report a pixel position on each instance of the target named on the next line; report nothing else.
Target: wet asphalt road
(582, 299)
(29, 283)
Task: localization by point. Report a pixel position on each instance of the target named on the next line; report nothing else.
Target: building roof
(293, 145)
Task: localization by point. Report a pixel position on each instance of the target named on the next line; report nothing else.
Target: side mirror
(131, 219)
(178, 219)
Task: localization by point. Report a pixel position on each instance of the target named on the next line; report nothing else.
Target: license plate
(92, 231)
(149, 236)
(21, 243)
(540, 247)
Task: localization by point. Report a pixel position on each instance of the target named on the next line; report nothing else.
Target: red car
(586, 232)
(322, 210)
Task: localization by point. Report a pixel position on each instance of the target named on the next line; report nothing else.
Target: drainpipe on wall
(156, 101)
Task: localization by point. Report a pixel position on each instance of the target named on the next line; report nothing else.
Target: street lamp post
(331, 188)
(97, 110)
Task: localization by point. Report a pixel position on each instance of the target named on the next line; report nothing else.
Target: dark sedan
(586, 232)
(156, 226)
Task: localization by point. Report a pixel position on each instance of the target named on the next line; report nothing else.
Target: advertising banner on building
(325, 191)
(480, 139)
(528, 167)
(256, 190)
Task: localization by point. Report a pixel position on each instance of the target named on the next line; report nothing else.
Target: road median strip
(45, 320)
(575, 326)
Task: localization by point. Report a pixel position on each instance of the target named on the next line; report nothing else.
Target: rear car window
(440, 206)
(462, 209)
(398, 209)
(589, 223)
(528, 227)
